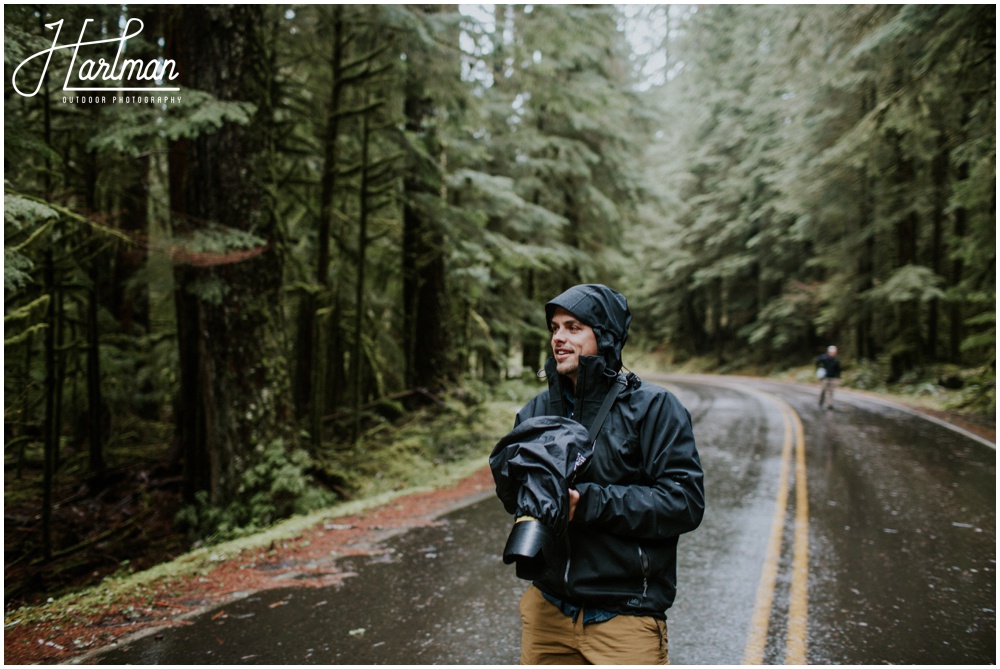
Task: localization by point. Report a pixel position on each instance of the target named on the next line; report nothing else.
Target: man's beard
(568, 367)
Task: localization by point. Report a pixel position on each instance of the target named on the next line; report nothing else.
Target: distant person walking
(828, 370)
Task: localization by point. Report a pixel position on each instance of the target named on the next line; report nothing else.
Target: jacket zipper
(644, 562)
(566, 571)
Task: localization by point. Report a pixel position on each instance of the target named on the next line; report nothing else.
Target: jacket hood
(603, 309)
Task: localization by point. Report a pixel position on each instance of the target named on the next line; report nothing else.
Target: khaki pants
(826, 395)
(550, 637)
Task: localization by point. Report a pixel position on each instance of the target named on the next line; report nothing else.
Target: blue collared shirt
(590, 616)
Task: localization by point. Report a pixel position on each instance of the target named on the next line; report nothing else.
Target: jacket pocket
(605, 566)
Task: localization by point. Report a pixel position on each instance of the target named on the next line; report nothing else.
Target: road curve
(901, 529)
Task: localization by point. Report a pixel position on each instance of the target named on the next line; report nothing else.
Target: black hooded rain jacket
(643, 486)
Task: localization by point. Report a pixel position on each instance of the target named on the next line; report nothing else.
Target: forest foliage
(351, 211)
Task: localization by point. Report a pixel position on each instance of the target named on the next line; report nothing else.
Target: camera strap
(595, 427)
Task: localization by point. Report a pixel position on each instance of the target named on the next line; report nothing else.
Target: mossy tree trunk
(312, 381)
(234, 387)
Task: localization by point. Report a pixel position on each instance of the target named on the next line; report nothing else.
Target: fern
(16, 268)
(276, 486)
(21, 213)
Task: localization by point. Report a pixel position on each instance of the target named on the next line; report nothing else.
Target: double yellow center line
(798, 614)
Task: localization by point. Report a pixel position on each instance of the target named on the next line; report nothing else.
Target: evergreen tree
(813, 162)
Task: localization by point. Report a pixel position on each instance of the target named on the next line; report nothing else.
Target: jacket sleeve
(673, 499)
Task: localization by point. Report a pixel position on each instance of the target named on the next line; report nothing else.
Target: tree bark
(956, 324)
(908, 350)
(939, 177)
(864, 343)
(357, 363)
(531, 347)
(51, 429)
(131, 306)
(95, 399)
(426, 343)
(425, 313)
(311, 380)
(234, 383)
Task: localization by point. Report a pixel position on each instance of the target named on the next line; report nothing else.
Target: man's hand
(574, 497)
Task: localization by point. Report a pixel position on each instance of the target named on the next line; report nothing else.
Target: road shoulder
(80, 626)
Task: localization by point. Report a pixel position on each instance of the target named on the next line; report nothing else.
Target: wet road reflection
(437, 595)
(902, 558)
(902, 535)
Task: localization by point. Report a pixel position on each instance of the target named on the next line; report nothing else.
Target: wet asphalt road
(893, 561)
(440, 595)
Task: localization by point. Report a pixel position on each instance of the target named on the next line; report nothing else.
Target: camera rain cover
(533, 467)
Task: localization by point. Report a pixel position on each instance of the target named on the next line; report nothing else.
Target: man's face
(570, 340)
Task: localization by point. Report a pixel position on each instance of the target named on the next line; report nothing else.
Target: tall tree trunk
(131, 306)
(311, 380)
(426, 343)
(907, 352)
(864, 340)
(357, 364)
(531, 348)
(51, 429)
(424, 311)
(95, 400)
(956, 327)
(718, 339)
(336, 352)
(939, 177)
(234, 383)
(60, 361)
(26, 403)
(330, 156)
(45, 100)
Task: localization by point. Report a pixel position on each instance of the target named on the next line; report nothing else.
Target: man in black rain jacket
(604, 598)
